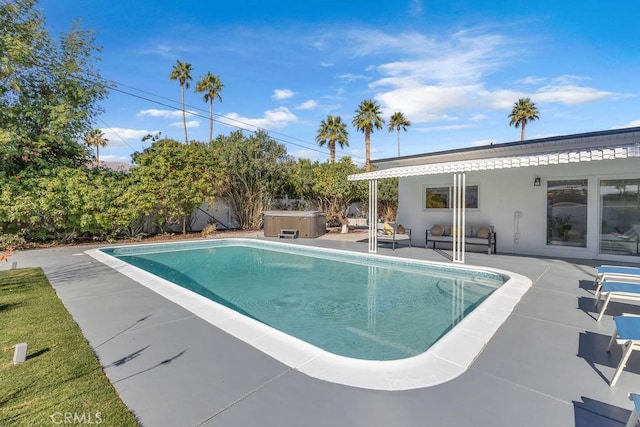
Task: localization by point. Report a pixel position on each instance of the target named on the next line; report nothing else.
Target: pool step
(288, 233)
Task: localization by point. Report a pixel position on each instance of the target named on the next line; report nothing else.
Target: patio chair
(615, 272)
(627, 334)
(617, 290)
(635, 411)
(392, 233)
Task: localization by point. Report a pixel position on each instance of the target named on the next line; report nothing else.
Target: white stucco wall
(506, 191)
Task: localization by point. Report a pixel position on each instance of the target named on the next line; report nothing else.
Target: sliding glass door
(620, 216)
(567, 213)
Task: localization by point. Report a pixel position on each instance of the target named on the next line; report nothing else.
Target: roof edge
(513, 143)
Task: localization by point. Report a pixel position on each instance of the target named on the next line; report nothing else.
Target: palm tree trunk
(398, 142)
(522, 132)
(184, 116)
(210, 120)
(367, 149)
(332, 151)
(97, 156)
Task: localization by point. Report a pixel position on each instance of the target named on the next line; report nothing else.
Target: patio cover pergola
(458, 169)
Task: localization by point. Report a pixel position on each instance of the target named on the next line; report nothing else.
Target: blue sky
(454, 69)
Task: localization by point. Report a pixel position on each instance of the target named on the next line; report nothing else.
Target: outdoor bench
(484, 235)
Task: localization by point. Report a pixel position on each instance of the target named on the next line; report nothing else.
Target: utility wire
(218, 121)
(116, 133)
(226, 120)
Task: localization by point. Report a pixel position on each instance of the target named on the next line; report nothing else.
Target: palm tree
(211, 86)
(398, 122)
(95, 138)
(367, 117)
(330, 132)
(524, 111)
(182, 72)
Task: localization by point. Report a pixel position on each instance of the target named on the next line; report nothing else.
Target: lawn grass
(62, 376)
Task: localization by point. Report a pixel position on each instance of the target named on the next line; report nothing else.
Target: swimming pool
(323, 311)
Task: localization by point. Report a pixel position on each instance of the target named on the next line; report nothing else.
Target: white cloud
(308, 105)
(349, 77)
(190, 124)
(532, 80)
(567, 79)
(461, 60)
(504, 99)
(165, 114)
(440, 76)
(326, 64)
(564, 79)
(165, 51)
(423, 103)
(272, 119)
(117, 135)
(280, 94)
(570, 94)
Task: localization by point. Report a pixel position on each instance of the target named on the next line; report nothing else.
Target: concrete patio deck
(546, 365)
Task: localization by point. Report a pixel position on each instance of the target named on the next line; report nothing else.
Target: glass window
(620, 213)
(437, 198)
(471, 196)
(440, 197)
(567, 213)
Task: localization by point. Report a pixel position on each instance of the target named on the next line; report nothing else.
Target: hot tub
(308, 223)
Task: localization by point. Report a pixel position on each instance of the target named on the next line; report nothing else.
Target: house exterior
(568, 196)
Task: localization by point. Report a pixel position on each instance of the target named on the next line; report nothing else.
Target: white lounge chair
(616, 273)
(619, 291)
(627, 279)
(635, 411)
(627, 334)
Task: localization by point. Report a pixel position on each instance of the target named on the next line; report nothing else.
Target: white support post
(463, 206)
(459, 216)
(373, 216)
(454, 223)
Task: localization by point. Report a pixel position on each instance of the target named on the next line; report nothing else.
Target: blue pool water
(354, 306)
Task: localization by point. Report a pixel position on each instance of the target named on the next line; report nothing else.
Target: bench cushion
(437, 230)
(476, 240)
(483, 233)
(385, 238)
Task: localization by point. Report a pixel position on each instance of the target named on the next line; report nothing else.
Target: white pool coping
(448, 358)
